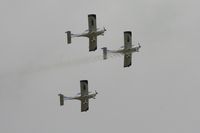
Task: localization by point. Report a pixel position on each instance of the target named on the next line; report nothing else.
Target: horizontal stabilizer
(61, 99)
(104, 53)
(69, 36)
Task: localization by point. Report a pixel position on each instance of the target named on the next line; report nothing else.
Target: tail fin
(69, 37)
(61, 99)
(104, 53)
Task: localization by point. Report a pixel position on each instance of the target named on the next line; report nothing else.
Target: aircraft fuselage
(93, 95)
(129, 50)
(90, 34)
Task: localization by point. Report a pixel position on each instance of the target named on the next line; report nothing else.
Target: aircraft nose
(139, 45)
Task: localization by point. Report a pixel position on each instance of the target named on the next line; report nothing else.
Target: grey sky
(159, 93)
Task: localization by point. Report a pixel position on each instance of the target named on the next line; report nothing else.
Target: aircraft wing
(84, 104)
(84, 87)
(127, 40)
(92, 43)
(92, 22)
(84, 92)
(127, 59)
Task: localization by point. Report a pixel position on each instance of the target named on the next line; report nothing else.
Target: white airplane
(91, 33)
(83, 96)
(126, 50)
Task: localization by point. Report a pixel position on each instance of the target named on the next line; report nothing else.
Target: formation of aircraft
(83, 96)
(126, 50)
(91, 33)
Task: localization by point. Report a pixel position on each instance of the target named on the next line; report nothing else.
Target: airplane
(91, 33)
(83, 96)
(126, 50)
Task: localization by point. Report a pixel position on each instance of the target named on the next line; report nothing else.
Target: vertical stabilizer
(104, 53)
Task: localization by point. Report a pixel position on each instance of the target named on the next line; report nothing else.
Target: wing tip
(127, 65)
(93, 49)
(85, 110)
(92, 15)
(84, 81)
(127, 32)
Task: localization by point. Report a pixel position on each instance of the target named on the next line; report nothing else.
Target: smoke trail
(65, 63)
(80, 61)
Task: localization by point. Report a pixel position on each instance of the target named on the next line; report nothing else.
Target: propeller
(104, 28)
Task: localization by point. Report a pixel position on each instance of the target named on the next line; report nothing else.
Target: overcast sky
(159, 93)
